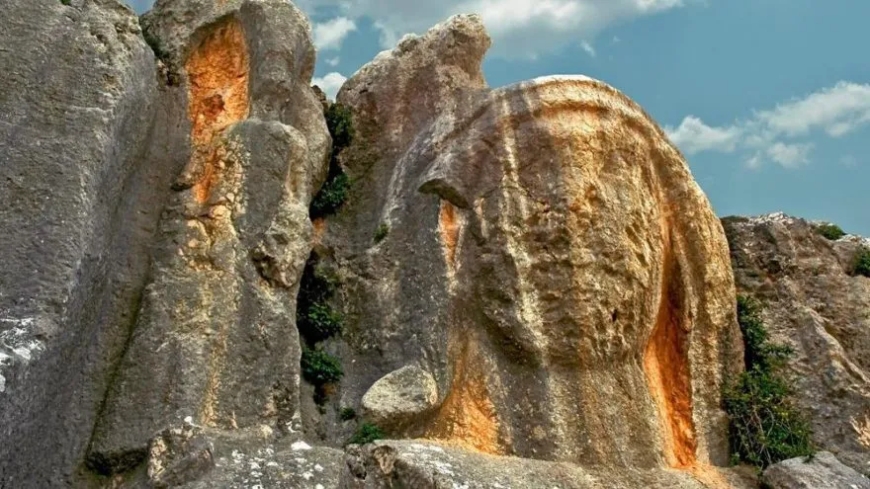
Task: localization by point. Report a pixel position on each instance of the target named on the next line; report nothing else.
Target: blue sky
(768, 99)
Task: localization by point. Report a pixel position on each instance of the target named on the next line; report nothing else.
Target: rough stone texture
(823, 471)
(422, 465)
(815, 306)
(550, 262)
(215, 339)
(81, 198)
(400, 398)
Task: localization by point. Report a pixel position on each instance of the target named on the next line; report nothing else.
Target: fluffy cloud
(693, 136)
(518, 27)
(330, 34)
(330, 83)
(769, 134)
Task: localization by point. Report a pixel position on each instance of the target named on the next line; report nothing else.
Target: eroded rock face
(215, 339)
(550, 261)
(81, 198)
(424, 465)
(815, 306)
(821, 471)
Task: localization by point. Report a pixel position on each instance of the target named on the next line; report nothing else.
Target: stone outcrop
(815, 305)
(81, 199)
(215, 338)
(424, 465)
(156, 233)
(533, 287)
(821, 471)
(550, 262)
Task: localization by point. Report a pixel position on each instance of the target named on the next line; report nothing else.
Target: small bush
(334, 191)
(339, 121)
(862, 262)
(766, 427)
(347, 414)
(331, 196)
(319, 322)
(382, 232)
(366, 433)
(830, 231)
(320, 368)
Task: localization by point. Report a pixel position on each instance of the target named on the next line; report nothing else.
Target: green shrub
(382, 232)
(765, 425)
(347, 414)
(320, 368)
(862, 262)
(366, 433)
(319, 322)
(339, 121)
(334, 191)
(830, 231)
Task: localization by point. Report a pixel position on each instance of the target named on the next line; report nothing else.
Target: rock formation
(550, 263)
(532, 284)
(815, 305)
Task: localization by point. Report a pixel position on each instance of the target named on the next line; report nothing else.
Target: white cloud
(790, 155)
(588, 48)
(693, 136)
(519, 28)
(333, 61)
(330, 83)
(330, 34)
(835, 111)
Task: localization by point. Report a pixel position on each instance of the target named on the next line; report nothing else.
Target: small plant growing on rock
(382, 232)
(862, 262)
(334, 191)
(320, 368)
(830, 231)
(366, 433)
(766, 427)
(347, 414)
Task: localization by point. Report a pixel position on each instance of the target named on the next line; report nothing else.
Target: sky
(769, 100)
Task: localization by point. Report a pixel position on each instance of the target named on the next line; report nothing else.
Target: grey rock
(815, 306)
(400, 397)
(81, 198)
(821, 471)
(550, 263)
(422, 465)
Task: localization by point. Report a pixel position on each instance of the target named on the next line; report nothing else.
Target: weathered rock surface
(550, 262)
(423, 465)
(822, 471)
(215, 339)
(814, 305)
(81, 199)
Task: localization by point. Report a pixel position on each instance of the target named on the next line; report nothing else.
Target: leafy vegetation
(830, 231)
(766, 427)
(316, 320)
(862, 262)
(382, 232)
(334, 191)
(320, 368)
(366, 433)
(347, 414)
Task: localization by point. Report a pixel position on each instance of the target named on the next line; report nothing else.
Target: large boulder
(548, 260)
(81, 199)
(821, 471)
(215, 339)
(818, 307)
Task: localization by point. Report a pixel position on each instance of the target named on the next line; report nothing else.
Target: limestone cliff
(818, 307)
(550, 264)
(534, 291)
